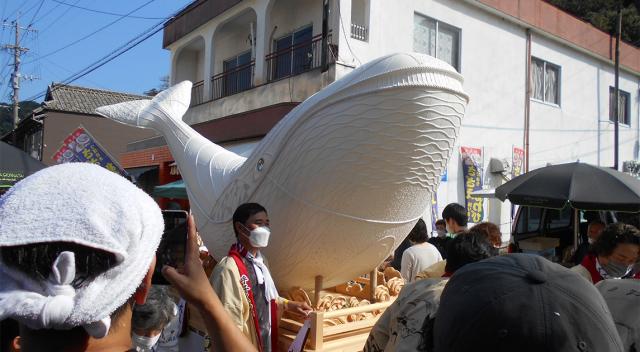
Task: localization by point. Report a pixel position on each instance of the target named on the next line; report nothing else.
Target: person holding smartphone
(243, 282)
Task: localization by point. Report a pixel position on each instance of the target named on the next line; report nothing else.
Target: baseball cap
(522, 302)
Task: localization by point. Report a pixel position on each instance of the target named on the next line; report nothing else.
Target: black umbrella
(15, 165)
(580, 185)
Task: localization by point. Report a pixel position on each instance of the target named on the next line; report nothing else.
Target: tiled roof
(66, 98)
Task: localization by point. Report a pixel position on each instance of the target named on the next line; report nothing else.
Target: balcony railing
(233, 81)
(297, 59)
(359, 32)
(197, 93)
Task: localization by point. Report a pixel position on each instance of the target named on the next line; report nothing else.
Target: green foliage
(6, 114)
(603, 15)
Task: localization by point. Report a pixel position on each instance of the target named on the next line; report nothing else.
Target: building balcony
(297, 58)
(233, 81)
(197, 93)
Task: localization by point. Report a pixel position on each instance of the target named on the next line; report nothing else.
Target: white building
(255, 59)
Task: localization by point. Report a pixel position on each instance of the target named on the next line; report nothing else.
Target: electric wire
(108, 13)
(91, 34)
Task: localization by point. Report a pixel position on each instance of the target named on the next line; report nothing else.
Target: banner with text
(472, 176)
(80, 146)
(517, 162)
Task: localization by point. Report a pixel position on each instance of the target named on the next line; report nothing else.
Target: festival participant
(149, 319)
(594, 230)
(420, 255)
(455, 217)
(407, 325)
(77, 245)
(525, 303)
(612, 255)
(243, 282)
(491, 232)
(441, 228)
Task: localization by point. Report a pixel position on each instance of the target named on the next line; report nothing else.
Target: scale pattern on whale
(344, 175)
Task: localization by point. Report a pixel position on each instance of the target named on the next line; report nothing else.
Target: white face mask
(259, 238)
(590, 240)
(144, 343)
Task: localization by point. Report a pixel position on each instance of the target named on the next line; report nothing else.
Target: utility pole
(616, 110)
(16, 76)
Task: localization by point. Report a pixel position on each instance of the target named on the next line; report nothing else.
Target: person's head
(491, 230)
(441, 227)
(419, 233)
(455, 217)
(594, 230)
(251, 225)
(525, 303)
(468, 247)
(80, 242)
(617, 249)
(148, 319)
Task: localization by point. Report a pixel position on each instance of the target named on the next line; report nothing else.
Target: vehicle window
(628, 218)
(529, 219)
(557, 219)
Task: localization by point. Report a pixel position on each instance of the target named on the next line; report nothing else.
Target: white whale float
(344, 176)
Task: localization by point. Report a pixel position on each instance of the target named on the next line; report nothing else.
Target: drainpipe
(325, 30)
(527, 100)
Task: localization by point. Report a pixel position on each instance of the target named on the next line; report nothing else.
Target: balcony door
(238, 76)
(294, 53)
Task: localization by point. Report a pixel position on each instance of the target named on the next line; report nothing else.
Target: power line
(57, 18)
(36, 13)
(90, 34)
(108, 13)
(109, 57)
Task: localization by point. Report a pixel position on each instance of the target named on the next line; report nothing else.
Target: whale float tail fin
(171, 103)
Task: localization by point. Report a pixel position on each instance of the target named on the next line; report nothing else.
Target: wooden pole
(316, 293)
(373, 283)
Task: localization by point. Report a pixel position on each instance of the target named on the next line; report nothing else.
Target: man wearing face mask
(612, 255)
(594, 230)
(244, 284)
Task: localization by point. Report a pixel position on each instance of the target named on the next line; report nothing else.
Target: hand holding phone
(173, 244)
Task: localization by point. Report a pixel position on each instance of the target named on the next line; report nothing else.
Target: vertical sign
(517, 162)
(472, 176)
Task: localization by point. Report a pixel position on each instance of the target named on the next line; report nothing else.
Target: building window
(545, 81)
(239, 75)
(437, 39)
(295, 53)
(623, 106)
(360, 19)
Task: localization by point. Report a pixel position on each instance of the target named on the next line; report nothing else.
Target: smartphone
(173, 245)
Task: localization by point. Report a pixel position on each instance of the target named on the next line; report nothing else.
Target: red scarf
(237, 253)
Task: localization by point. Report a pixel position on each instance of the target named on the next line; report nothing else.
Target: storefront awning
(15, 165)
(175, 190)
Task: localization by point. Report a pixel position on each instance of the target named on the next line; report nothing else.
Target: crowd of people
(77, 254)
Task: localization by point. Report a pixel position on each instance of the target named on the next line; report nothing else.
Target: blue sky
(58, 25)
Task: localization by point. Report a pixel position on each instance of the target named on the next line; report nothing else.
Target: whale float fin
(171, 103)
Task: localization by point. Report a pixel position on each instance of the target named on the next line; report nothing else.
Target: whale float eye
(260, 164)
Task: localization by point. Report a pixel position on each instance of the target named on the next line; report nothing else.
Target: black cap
(522, 302)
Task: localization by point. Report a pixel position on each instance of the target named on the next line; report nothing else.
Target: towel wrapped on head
(85, 209)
